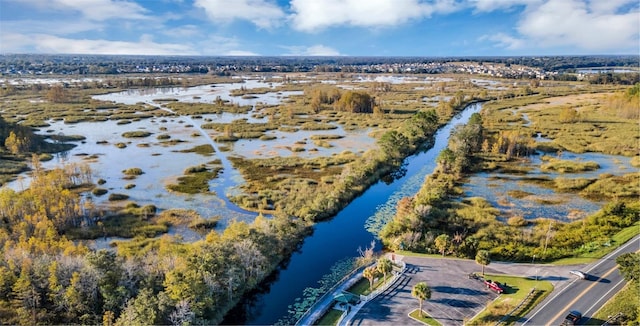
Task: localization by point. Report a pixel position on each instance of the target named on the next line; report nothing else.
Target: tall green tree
(140, 311)
(483, 258)
(421, 291)
(629, 265)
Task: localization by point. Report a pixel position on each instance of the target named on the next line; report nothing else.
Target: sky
(321, 27)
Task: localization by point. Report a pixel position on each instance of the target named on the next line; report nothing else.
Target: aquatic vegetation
(136, 134)
(566, 166)
(118, 197)
(133, 171)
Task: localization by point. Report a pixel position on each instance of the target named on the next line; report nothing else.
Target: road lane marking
(624, 246)
(597, 302)
(579, 296)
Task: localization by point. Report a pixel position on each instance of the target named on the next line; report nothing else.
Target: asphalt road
(455, 298)
(585, 296)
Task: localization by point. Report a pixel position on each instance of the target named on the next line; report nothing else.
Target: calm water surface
(338, 238)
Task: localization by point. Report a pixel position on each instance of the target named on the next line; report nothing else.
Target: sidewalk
(325, 303)
(346, 318)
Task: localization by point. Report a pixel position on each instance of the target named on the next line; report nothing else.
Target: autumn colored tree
(370, 274)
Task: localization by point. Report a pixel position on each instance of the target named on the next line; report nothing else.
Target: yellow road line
(583, 293)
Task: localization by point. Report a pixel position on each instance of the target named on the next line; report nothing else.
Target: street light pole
(532, 260)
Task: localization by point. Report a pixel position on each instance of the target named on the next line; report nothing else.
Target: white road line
(598, 302)
(632, 241)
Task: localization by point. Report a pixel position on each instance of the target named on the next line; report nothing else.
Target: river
(339, 238)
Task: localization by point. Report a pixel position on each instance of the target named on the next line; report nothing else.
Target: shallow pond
(533, 201)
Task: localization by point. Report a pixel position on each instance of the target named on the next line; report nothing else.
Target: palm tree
(370, 273)
(482, 258)
(421, 291)
(384, 266)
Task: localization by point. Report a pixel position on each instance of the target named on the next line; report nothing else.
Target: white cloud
(312, 15)
(314, 50)
(503, 40)
(182, 31)
(97, 10)
(146, 46)
(491, 5)
(262, 13)
(56, 26)
(571, 23)
(609, 6)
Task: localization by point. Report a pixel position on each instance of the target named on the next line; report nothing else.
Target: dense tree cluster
(47, 279)
(323, 97)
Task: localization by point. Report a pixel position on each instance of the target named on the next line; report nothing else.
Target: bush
(133, 171)
(136, 134)
(117, 197)
(99, 191)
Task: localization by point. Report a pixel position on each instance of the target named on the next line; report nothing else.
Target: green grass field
(517, 288)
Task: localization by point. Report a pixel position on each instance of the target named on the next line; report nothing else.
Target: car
(579, 274)
(572, 318)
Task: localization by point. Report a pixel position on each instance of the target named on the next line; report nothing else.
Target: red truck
(495, 286)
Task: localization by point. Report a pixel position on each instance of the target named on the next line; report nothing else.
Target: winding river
(340, 237)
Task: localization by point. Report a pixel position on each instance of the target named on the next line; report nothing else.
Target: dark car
(572, 318)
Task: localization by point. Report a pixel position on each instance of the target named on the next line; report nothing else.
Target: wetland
(242, 183)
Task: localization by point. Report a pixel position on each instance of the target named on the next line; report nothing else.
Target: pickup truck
(495, 286)
(572, 318)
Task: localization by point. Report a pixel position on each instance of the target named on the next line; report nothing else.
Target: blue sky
(321, 27)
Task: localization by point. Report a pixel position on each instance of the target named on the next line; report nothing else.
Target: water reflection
(521, 195)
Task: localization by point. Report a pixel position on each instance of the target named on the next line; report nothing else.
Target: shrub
(99, 191)
(133, 171)
(117, 197)
(136, 134)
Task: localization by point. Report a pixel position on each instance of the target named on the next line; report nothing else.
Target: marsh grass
(566, 166)
(206, 150)
(614, 187)
(204, 225)
(133, 171)
(136, 134)
(184, 108)
(118, 197)
(571, 184)
(196, 179)
(518, 193)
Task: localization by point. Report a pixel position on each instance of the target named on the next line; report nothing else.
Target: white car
(579, 274)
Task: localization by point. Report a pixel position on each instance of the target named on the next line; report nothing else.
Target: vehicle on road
(579, 274)
(572, 318)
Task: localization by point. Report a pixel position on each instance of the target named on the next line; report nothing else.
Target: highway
(585, 296)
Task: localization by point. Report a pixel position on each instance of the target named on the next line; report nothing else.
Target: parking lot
(455, 297)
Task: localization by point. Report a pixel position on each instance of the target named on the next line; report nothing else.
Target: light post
(532, 260)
